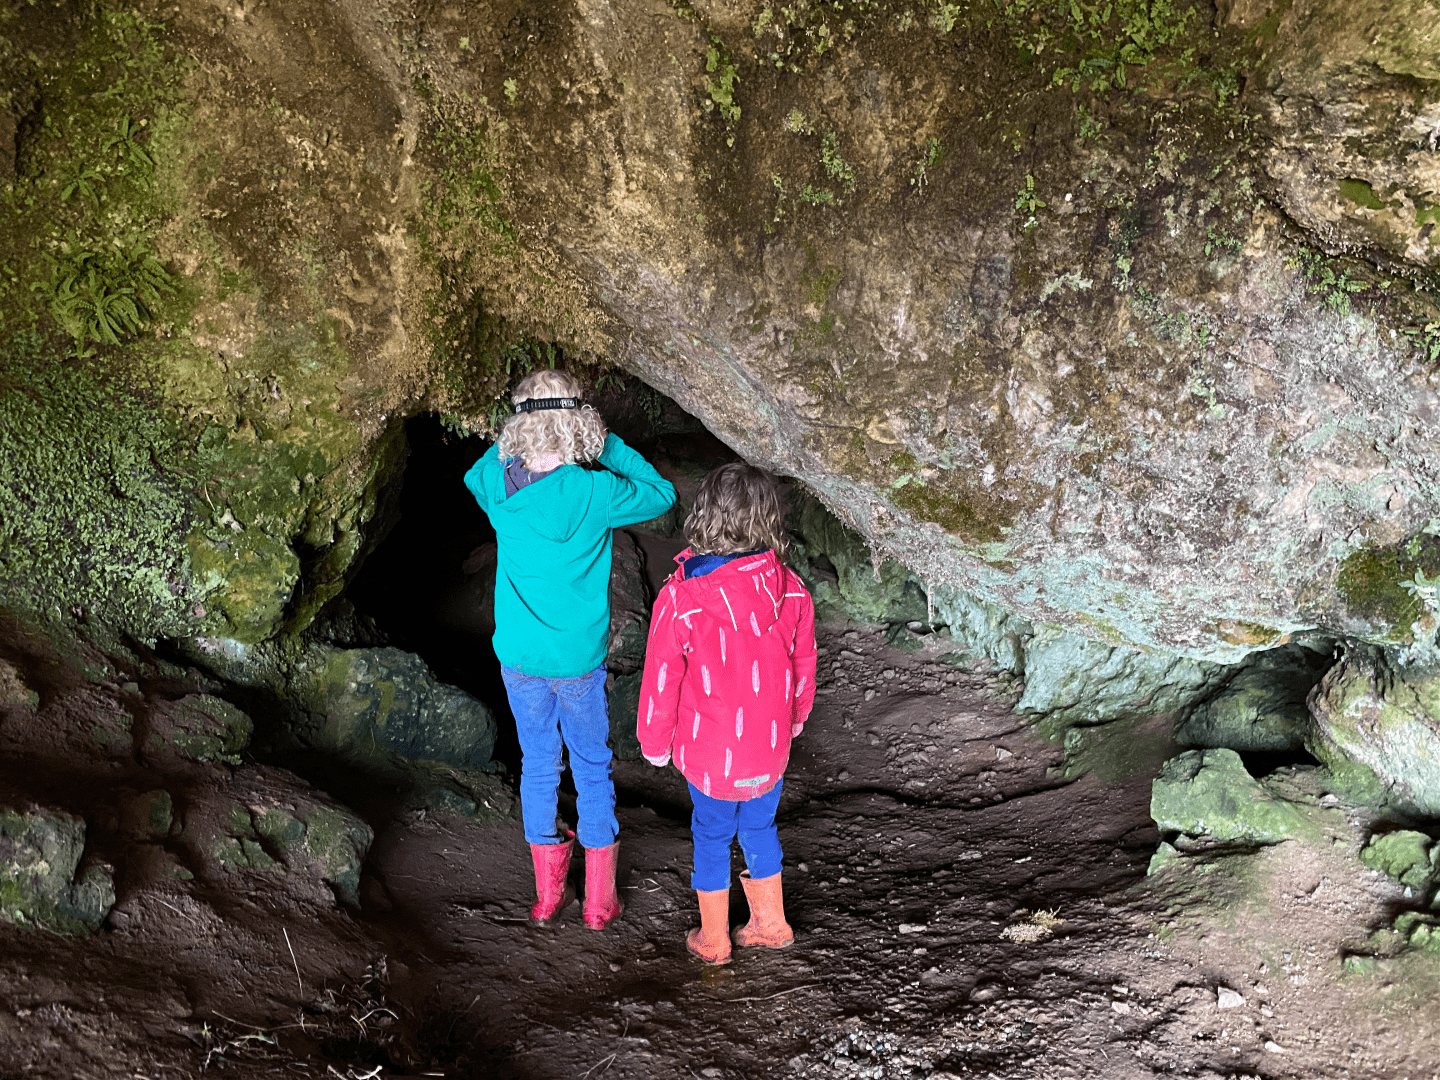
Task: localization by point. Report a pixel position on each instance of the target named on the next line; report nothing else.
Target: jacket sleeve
(804, 658)
(660, 685)
(639, 493)
(475, 478)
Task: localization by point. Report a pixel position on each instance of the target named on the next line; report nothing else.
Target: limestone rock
(200, 727)
(1263, 706)
(1377, 725)
(1073, 678)
(368, 702)
(40, 853)
(1207, 795)
(1406, 855)
(873, 587)
(13, 691)
(276, 825)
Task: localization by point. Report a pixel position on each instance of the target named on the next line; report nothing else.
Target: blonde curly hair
(574, 434)
(738, 508)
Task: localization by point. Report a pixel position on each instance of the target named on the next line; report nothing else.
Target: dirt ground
(966, 904)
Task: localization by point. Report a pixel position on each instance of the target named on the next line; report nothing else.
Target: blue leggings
(714, 823)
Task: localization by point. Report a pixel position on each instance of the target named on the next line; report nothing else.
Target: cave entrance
(428, 587)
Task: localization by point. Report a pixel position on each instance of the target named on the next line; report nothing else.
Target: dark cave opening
(420, 586)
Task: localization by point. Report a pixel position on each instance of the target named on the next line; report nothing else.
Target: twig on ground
(768, 997)
(182, 914)
(299, 981)
(607, 1062)
(237, 1023)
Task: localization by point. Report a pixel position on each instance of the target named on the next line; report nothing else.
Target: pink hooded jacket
(729, 675)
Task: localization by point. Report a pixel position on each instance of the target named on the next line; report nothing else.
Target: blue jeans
(716, 822)
(555, 713)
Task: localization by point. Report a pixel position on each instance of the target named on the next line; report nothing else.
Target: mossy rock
(13, 691)
(1208, 795)
(40, 852)
(148, 816)
(1405, 855)
(200, 727)
(624, 703)
(371, 704)
(283, 830)
(1376, 725)
(1263, 706)
(872, 589)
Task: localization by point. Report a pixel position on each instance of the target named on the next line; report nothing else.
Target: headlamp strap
(537, 403)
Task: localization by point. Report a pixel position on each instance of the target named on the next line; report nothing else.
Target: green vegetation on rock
(1207, 795)
(40, 852)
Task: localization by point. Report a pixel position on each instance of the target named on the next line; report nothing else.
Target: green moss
(1360, 193)
(972, 515)
(87, 510)
(1370, 582)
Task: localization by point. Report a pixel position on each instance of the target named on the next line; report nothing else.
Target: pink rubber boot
(602, 904)
(767, 925)
(711, 941)
(552, 864)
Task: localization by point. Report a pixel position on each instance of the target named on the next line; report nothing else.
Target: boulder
(1208, 796)
(1263, 705)
(200, 727)
(13, 691)
(40, 854)
(1376, 724)
(361, 703)
(147, 816)
(1406, 855)
(275, 824)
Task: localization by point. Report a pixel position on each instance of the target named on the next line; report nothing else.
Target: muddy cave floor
(931, 838)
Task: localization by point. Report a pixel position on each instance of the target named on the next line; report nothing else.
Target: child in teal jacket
(553, 520)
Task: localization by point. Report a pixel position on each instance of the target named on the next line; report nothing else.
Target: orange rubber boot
(711, 942)
(767, 925)
(602, 904)
(552, 892)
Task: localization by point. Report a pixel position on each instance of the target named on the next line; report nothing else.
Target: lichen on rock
(40, 882)
(1207, 795)
(1377, 725)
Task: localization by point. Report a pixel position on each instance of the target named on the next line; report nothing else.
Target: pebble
(1274, 1047)
(1120, 1007)
(888, 673)
(1225, 998)
(869, 695)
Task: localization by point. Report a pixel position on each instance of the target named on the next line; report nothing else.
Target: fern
(104, 298)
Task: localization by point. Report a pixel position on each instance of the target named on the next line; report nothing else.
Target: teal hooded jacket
(552, 582)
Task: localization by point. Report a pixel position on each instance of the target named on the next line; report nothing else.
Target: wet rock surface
(968, 897)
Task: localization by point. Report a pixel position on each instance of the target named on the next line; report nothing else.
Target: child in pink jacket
(729, 681)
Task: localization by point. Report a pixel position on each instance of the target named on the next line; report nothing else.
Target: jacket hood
(748, 591)
(555, 506)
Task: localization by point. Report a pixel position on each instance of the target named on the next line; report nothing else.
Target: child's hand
(795, 729)
(659, 762)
